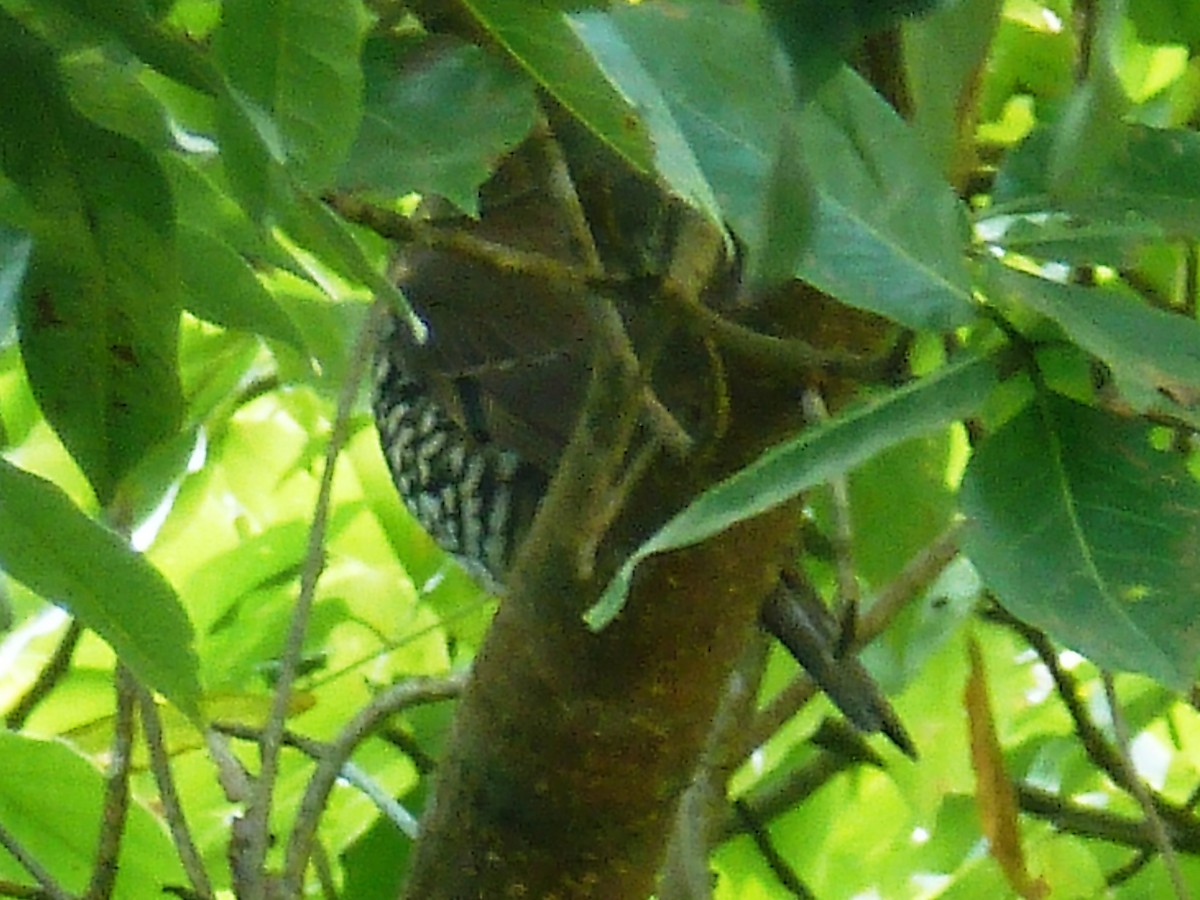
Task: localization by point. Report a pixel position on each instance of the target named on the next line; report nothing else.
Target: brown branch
(406, 230)
(252, 833)
(1141, 792)
(333, 757)
(776, 862)
(1090, 822)
(160, 766)
(52, 673)
(50, 888)
(116, 791)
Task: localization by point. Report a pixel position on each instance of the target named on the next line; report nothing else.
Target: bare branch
(50, 888)
(56, 667)
(333, 759)
(255, 827)
(1154, 822)
(160, 765)
(116, 792)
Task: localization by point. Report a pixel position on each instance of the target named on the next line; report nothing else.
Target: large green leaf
(944, 54)
(1084, 530)
(295, 90)
(58, 552)
(674, 160)
(1153, 353)
(100, 306)
(1155, 175)
(436, 122)
(539, 37)
(220, 287)
(51, 802)
(811, 458)
(887, 233)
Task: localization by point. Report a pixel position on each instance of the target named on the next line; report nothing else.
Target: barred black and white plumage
(473, 497)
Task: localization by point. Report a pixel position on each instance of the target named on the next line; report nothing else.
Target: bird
(473, 416)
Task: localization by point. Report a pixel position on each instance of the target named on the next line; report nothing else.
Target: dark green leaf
(1155, 175)
(944, 54)
(1084, 530)
(787, 214)
(811, 458)
(819, 35)
(100, 305)
(540, 38)
(674, 160)
(58, 552)
(437, 121)
(887, 233)
(1147, 348)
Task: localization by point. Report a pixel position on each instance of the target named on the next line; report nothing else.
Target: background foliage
(179, 311)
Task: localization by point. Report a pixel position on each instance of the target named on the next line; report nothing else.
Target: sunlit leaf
(812, 457)
(221, 288)
(57, 551)
(51, 803)
(1084, 530)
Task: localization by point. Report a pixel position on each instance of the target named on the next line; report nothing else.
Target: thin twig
(776, 862)
(50, 887)
(842, 539)
(52, 673)
(22, 891)
(257, 817)
(333, 759)
(502, 258)
(1102, 753)
(701, 812)
(1101, 824)
(1154, 822)
(116, 791)
(160, 766)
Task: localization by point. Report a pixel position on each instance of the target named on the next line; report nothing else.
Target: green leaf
(819, 35)
(51, 803)
(221, 288)
(436, 121)
(1149, 348)
(944, 55)
(100, 306)
(811, 458)
(542, 41)
(728, 107)
(787, 214)
(887, 234)
(1156, 175)
(1085, 531)
(296, 62)
(54, 549)
(673, 158)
